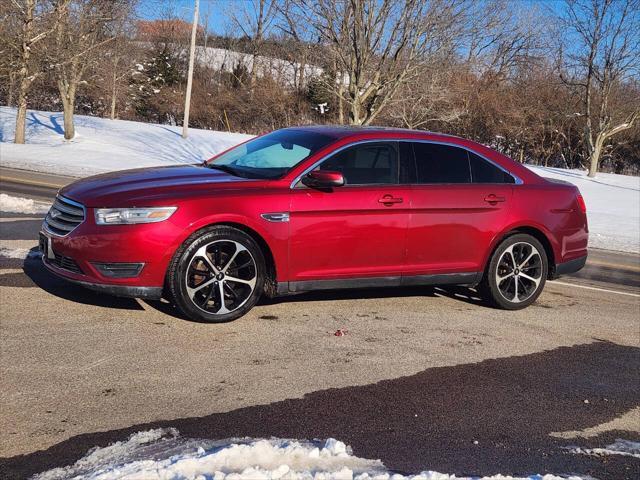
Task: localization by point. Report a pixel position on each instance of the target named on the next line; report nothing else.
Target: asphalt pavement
(424, 378)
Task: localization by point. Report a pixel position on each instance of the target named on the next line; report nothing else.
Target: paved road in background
(425, 378)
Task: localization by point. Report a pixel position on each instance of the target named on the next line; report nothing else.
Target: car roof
(345, 131)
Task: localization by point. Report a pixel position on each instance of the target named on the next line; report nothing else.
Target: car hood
(148, 186)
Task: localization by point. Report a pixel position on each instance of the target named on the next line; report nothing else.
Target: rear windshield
(272, 155)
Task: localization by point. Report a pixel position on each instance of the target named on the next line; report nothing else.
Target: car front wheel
(516, 273)
(217, 275)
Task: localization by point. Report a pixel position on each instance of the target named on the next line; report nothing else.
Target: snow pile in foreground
(613, 206)
(20, 253)
(622, 447)
(103, 145)
(12, 204)
(163, 454)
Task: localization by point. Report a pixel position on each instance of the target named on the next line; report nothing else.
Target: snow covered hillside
(613, 206)
(103, 145)
(613, 201)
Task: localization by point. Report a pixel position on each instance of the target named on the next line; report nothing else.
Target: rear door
(459, 202)
(357, 230)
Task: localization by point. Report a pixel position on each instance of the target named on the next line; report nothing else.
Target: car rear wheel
(217, 275)
(516, 273)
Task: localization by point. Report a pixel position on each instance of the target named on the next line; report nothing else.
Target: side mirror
(323, 179)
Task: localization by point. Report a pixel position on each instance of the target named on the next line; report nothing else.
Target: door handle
(493, 199)
(389, 200)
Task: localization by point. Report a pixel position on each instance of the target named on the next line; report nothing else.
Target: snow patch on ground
(103, 145)
(163, 454)
(12, 204)
(622, 447)
(613, 206)
(20, 253)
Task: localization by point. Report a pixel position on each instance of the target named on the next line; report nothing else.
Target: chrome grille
(64, 216)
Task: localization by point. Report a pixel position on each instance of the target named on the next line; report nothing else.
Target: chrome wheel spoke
(503, 278)
(535, 281)
(251, 282)
(202, 253)
(192, 291)
(239, 248)
(222, 309)
(529, 257)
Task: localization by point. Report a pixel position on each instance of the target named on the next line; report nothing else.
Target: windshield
(272, 155)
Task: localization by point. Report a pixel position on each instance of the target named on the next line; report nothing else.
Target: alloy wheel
(221, 277)
(519, 272)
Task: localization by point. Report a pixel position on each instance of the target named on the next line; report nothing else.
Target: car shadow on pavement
(461, 293)
(458, 293)
(42, 278)
(495, 416)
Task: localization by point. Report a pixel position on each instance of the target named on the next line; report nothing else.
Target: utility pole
(192, 53)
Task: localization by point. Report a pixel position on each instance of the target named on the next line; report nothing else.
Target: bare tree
(603, 50)
(379, 45)
(430, 98)
(80, 33)
(254, 20)
(37, 22)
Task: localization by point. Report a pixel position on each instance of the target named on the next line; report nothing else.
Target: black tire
(504, 296)
(217, 237)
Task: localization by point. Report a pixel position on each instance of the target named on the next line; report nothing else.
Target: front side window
(365, 164)
(272, 155)
(437, 163)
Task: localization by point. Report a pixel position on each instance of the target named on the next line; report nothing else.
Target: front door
(357, 230)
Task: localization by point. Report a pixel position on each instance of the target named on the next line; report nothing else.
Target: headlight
(120, 216)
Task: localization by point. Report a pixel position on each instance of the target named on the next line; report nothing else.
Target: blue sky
(218, 11)
(218, 18)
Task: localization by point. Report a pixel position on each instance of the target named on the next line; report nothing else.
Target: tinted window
(485, 172)
(441, 163)
(369, 163)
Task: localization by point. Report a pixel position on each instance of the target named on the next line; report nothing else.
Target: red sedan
(314, 208)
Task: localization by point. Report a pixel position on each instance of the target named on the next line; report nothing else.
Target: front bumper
(150, 293)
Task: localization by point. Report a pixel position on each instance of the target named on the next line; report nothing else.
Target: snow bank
(20, 253)
(613, 206)
(163, 454)
(12, 204)
(622, 447)
(103, 145)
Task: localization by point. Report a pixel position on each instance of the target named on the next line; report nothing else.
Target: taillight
(581, 204)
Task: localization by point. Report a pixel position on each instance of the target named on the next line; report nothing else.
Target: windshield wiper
(226, 169)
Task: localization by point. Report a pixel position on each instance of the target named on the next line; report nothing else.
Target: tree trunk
(594, 157)
(114, 93)
(12, 87)
(355, 110)
(69, 127)
(21, 114)
(68, 106)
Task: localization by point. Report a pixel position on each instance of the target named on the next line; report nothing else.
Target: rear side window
(485, 172)
(365, 164)
(437, 163)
